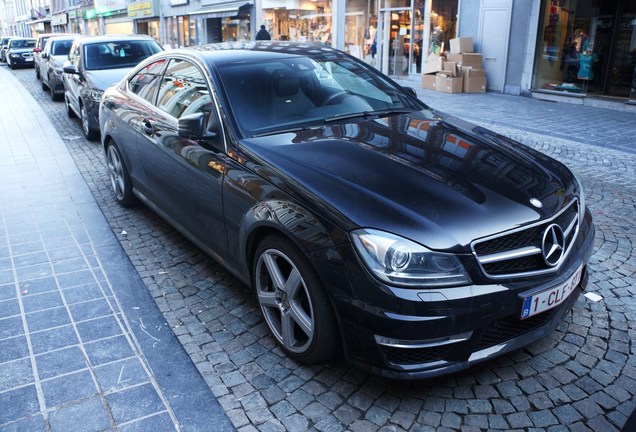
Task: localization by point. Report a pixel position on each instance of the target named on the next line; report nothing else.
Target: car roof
(112, 38)
(231, 52)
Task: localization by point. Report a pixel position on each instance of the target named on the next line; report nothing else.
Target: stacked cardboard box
(460, 70)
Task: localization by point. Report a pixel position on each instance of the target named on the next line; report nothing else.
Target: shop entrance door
(394, 41)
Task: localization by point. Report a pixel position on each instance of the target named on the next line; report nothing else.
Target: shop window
(587, 47)
(300, 21)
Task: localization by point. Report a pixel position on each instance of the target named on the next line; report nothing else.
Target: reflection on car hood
(102, 79)
(426, 176)
(20, 50)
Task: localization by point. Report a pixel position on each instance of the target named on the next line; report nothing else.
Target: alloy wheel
(285, 301)
(116, 172)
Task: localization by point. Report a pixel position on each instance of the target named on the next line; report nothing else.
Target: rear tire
(119, 177)
(44, 86)
(293, 301)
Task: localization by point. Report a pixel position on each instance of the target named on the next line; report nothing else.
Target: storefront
(299, 20)
(145, 16)
(84, 21)
(408, 30)
(224, 22)
(587, 48)
(59, 23)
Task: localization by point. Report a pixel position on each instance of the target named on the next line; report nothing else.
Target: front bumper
(406, 333)
(21, 61)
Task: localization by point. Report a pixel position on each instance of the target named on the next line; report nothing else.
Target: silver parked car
(53, 57)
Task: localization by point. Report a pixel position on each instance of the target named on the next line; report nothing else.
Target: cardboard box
(452, 68)
(433, 64)
(428, 81)
(461, 45)
(474, 80)
(471, 59)
(448, 84)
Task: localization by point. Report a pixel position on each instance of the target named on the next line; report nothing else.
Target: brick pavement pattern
(582, 377)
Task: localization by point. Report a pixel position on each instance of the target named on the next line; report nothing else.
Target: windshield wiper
(282, 131)
(367, 114)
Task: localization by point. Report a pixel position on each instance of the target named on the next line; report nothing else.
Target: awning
(41, 20)
(227, 9)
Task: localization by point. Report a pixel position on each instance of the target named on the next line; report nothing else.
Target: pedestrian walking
(263, 34)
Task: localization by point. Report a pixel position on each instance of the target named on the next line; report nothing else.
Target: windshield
(300, 91)
(22, 43)
(121, 54)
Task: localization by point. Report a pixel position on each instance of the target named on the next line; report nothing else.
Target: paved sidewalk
(588, 125)
(82, 344)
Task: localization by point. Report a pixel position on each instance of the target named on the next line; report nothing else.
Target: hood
(102, 79)
(426, 176)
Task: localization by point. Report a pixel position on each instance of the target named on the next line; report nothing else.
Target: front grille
(411, 356)
(518, 253)
(510, 327)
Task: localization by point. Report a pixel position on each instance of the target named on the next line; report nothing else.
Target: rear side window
(183, 90)
(145, 82)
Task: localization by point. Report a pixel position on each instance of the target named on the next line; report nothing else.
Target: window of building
(587, 47)
(305, 21)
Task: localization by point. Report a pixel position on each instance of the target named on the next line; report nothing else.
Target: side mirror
(45, 55)
(194, 126)
(69, 68)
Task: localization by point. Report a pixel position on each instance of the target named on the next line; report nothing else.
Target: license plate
(551, 298)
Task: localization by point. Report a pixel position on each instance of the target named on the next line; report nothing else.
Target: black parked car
(95, 63)
(416, 242)
(20, 52)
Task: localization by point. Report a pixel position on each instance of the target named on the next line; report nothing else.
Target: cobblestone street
(582, 377)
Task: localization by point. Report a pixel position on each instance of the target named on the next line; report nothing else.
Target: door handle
(146, 127)
(491, 58)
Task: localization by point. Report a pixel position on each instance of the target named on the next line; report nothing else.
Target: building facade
(563, 49)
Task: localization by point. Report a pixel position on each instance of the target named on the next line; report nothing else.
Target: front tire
(54, 97)
(119, 177)
(294, 304)
(37, 75)
(89, 133)
(69, 111)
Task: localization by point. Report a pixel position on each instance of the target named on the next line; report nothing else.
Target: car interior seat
(289, 102)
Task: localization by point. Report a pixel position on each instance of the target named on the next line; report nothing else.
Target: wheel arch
(277, 216)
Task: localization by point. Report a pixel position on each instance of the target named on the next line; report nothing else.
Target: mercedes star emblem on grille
(553, 245)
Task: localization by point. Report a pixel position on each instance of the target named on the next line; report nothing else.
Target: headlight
(58, 72)
(95, 94)
(15, 56)
(398, 261)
